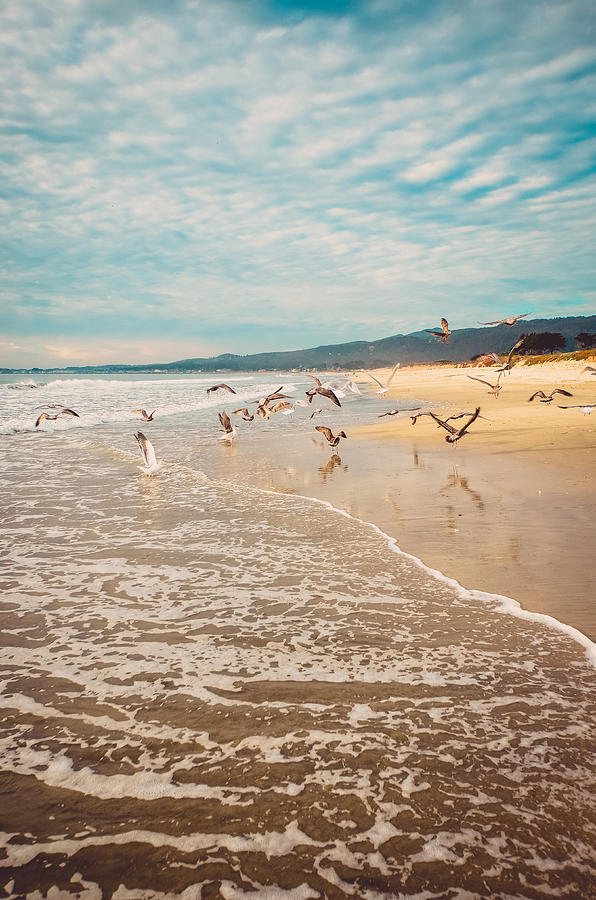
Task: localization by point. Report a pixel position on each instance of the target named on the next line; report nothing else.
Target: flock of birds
(278, 402)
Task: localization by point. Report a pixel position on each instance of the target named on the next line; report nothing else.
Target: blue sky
(184, 178)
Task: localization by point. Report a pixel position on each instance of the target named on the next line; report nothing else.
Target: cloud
(290, 173)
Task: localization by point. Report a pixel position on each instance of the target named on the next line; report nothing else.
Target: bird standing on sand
(455, 434)
(322, 390)
(151, 465)
(217, 387)
(548, 398)
(148, 417)
(510, 321)
(63, 412)
(333, 440)
(383, 388)
(444, 334)
(495, 389)
(229, 431)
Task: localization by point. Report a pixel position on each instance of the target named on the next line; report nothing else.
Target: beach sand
(508, 510)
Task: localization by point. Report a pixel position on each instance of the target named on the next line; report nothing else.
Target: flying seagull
(485, 359)
(322, 390)
(229, 431)
(586, 408)
(547, 398)
(510, 321)
(444, 334)
(417, 415)
(508, 364)
(495, 389)
(151, 464)
(333, 440)
(455, 434)
(316, 412)
(283, 406)
(63, 412)
(589, 369)
(216, 387)
(244, 413)
(148, 417)
(383, 388)
(395, 412)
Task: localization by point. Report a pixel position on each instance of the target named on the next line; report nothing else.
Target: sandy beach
(508, 509)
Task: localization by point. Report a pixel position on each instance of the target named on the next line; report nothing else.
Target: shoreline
(507, 511)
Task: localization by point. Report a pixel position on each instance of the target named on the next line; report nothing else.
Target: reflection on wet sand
(333, 462)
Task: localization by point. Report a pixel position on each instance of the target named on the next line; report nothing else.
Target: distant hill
(417, 347)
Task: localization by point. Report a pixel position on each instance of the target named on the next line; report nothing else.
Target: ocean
(216, 688)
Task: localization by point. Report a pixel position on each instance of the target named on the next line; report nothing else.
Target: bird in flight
(508, 364)
(495, 389)
(151, 465)
(322, 390)
(383, 388)
(284, 407)
(444, 334)
(229, 431)
(63, 412)
(217, 387)
(548, 398)
(333, 440)
(455, 434)
(316, 412)
(395, 412)
(244, 413)
(589, 369)
(510, 321)
(148, 417)
(586, 408)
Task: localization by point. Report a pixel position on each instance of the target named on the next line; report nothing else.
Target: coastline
(507, 511)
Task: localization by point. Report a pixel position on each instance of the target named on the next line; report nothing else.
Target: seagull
(332, 439)
(589, 369)
(485, 359)
(284, 407)
(229, 431)
(383, 388)
(508, 364)
(395, 412)
(316, 412)
(244, 413)
(544, 398)
(63, 412)
(415, 417)
(353, 387)
(454, 435)
(322, 390)
(148, 417)
(444, 334)
(494, 388)
(148, 453)
(276, 395)
(216, 387)
(510, 321)
(586, 408)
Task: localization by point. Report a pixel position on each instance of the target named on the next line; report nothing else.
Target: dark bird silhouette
(586, 408)
(508, 364)
(454, 433)
(63, 412)
(548, 398)
(495, 389)
(323, 391)
(444, 334)
(333, 440)
(217, 387)
(244, 413)
(589, 369)
(395, 412)
(510, 321)
(148, 417)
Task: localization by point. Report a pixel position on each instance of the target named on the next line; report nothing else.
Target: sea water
(214, 690)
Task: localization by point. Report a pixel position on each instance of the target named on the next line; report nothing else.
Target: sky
(184, 178)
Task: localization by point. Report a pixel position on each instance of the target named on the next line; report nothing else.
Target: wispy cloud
(258, 175)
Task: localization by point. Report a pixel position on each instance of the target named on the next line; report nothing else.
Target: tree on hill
(585, 340)
(543, 342)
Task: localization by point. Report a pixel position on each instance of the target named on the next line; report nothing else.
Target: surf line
(507, 604)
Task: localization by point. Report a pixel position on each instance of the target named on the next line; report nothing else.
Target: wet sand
(508, 510)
